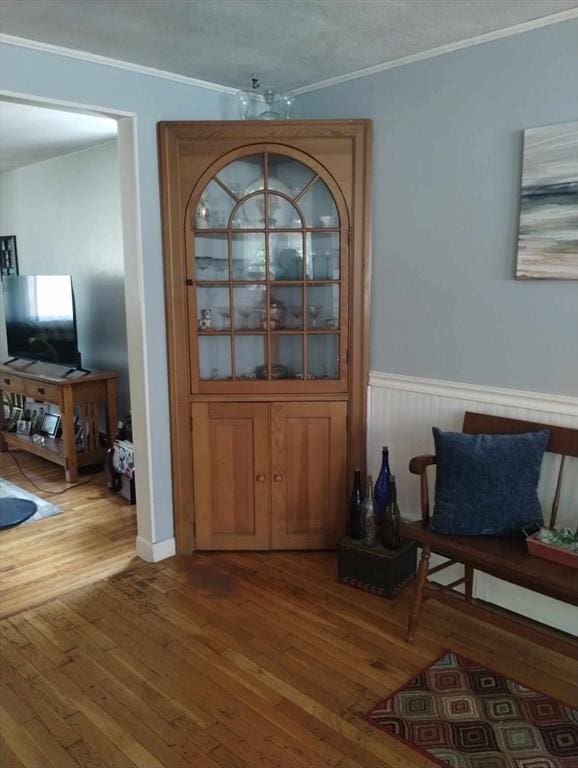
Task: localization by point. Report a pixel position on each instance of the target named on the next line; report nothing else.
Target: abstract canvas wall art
(548, 234)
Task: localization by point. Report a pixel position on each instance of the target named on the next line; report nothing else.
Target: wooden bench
(505, 559)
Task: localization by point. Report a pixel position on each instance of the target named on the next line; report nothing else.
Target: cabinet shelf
(200, 231)
(310, 282)
(279, 332)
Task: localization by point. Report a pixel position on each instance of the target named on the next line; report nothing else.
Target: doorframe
(134, 298)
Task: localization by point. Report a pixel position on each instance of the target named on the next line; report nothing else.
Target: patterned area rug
(463, 715)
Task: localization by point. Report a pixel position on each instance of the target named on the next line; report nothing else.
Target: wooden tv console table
(80, 395)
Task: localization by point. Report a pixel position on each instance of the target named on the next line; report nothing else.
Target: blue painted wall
(46, 75)
(447, 163)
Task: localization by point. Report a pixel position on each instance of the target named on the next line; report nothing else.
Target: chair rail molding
(481, 393)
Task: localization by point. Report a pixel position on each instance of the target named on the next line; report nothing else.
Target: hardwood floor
(92, 539)
(232, 660)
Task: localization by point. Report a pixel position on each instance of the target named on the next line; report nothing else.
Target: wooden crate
(384, 572)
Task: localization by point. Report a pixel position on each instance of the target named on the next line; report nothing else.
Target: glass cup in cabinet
(249, 303)
(215, 358)
(284, 170)
(285, 256)
(242, 173)
(214, 208)
(250, 356)
(318, 207)
(248, 256)
(287, 356)
(323, 306)
(211, 257)
(286, 307)
(323, 255)
(323, 356)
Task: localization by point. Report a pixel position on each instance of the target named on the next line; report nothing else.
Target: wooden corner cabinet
(266, 229)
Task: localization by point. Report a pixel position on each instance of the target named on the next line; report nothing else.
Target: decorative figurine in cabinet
(266, 247)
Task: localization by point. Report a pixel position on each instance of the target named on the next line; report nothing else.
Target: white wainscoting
(402, 411)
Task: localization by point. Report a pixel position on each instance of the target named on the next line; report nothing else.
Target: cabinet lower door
(231, 475)
(308, 466)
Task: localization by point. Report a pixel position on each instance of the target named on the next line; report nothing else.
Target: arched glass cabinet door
(269, 293)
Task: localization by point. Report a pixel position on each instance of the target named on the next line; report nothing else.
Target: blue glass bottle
(382, 491)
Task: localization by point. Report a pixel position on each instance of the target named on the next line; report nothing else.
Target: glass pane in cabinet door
(287, 356)
(323, 255)
(215, 358)
(286, 308)
(214, 208)
(248, 256)
(251, 357)
(323, 307)
(287, 175)
(250, 214)
(211, 258)
(249, 302)
(318, 206)
(285, 256)
(213, 310)
(323, 356)
(243, 176)
(283, 214)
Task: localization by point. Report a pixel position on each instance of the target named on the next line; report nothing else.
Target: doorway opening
(70, 205)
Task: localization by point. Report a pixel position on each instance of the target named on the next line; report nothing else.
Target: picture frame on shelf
(13, 419)
(50, 424)
(8, 256)
(23, 427)
(40, 411)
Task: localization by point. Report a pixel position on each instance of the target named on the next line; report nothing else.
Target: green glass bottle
(391, 536)
(368, 514)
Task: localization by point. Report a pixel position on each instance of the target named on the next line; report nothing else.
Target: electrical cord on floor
(42, 490)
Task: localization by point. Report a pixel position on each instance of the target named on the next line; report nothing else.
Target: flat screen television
(41, 319)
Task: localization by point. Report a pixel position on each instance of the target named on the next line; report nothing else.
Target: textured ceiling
(31, 134)
(288, 43)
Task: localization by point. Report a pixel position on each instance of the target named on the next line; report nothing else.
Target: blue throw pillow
(486, 485)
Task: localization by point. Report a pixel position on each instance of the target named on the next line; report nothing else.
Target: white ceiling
(288, 43)
(30, 134)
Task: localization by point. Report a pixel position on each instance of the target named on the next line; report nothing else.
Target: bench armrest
(418, 466)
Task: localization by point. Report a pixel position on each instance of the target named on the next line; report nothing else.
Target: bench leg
(469, 574)
(418, 596)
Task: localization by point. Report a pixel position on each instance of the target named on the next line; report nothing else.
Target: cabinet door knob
(260, 478)
(6, 381)
(40, 390)
(278, 478)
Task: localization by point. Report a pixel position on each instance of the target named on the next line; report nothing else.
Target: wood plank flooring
(232, 661)
(92, 539)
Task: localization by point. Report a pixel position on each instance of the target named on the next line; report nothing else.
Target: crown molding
(94, 58)
(565, 405)
(516, 29)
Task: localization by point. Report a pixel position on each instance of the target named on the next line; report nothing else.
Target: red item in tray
(549, 552)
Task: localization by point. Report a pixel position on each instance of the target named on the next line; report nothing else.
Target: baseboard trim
(153, 551)
(535, 401)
